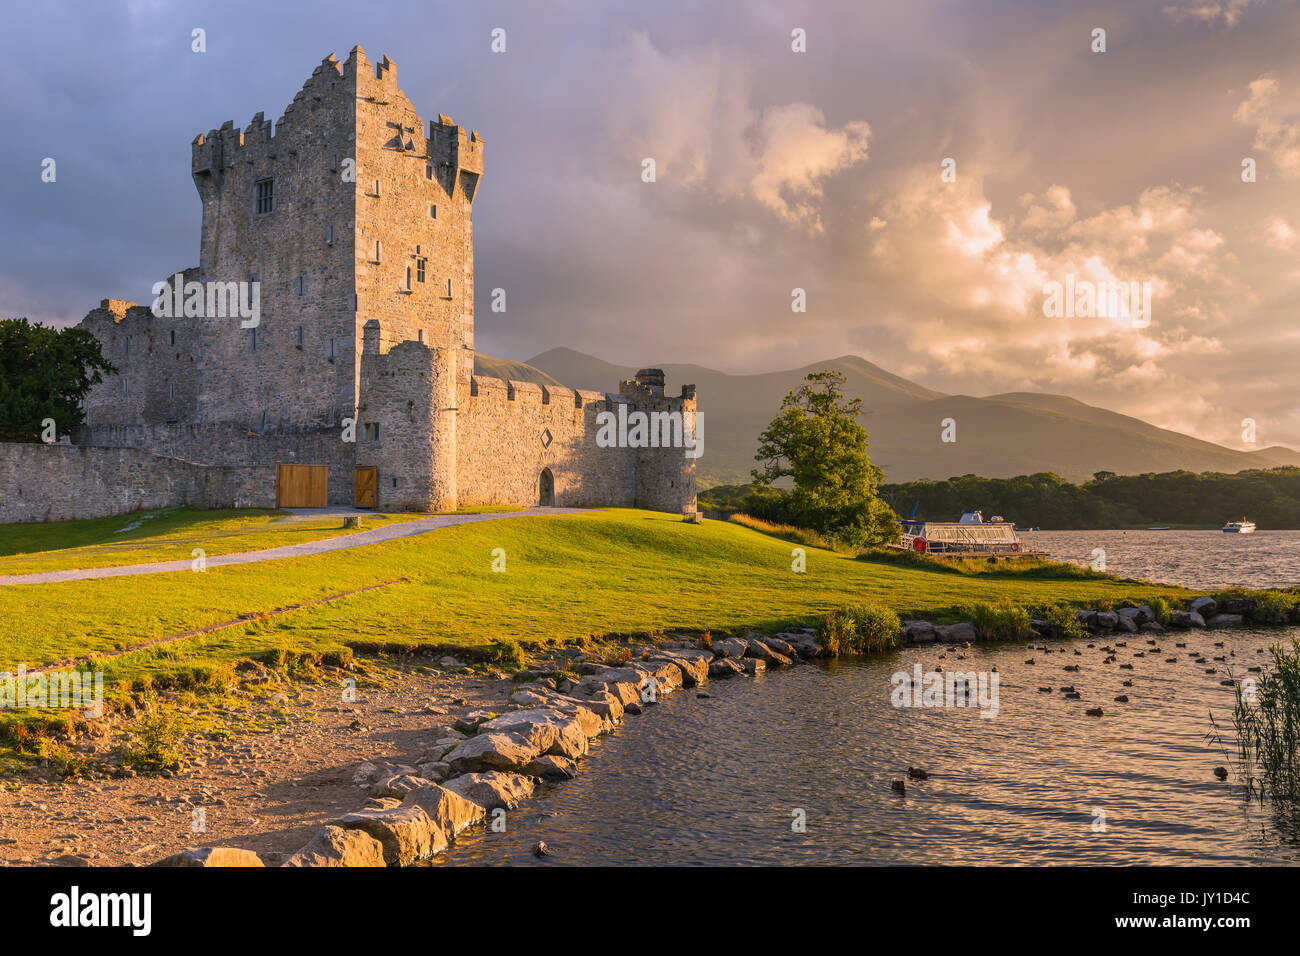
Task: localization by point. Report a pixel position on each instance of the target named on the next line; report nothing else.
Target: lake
(721, 780)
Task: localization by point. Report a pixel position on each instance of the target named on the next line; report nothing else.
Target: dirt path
(322, 546)
(277, 760)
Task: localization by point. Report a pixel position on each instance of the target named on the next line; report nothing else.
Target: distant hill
(488, 365)
(998, 436)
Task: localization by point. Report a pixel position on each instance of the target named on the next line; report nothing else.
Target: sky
(923, 171)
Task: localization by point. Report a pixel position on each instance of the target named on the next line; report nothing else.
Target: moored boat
(1239, 527)
(969, 536)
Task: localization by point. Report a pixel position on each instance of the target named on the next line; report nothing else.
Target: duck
(1071, 667)
(1171, 660)
(916, 773)
(1126, 667)
(1221, 773)
(1067, 688)
(1183, 644)
(1094, 712)
(1074, 696)
(1128, 683)
(1029, 660)
(1044, 690)
(898, 786)
(1122, 699)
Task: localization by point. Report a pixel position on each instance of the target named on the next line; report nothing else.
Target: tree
(816, 441)
(45, 373)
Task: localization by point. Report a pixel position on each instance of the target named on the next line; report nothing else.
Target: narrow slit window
(265, 196)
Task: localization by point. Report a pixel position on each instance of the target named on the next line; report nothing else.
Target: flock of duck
(1111, 652)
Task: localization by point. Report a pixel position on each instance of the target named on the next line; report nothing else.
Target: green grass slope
(566, 577)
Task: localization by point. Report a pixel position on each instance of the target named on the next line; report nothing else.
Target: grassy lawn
(170, 535)
(566, 577)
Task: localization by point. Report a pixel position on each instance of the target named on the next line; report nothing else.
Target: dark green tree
(45, 373)
(817, 442)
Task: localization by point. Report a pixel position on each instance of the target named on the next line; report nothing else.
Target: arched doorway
(546, 489)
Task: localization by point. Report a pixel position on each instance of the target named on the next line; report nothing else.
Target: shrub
(1001, 622)
(859, 629)
(156, 745)
(1273, 607)
(1161, 608)
(1061, 622)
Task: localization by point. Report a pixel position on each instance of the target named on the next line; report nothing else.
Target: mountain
(509, 369)
(998, 436)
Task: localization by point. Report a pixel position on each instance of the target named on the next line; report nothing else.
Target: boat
(1239, 527)
(968, 536)
(1158, 527)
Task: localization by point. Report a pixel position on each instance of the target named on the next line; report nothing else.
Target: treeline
(1271, 498)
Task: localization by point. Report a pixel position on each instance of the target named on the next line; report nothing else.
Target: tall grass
(1267, 722)
(859, 629)
(1027, 567)
(1003, 621)
(789, 532)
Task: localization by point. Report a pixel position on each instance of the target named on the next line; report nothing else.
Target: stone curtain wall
(501, 450)
(74, 482)
(231, 444)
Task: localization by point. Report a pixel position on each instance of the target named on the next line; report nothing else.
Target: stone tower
(349, 209)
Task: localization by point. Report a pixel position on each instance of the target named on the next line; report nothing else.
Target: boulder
(1107, 620)
(397, 786)
(607, 707)
(212, 856)
(450, 811)
(692, 661)
(782, 646)
(491, 751)
(542, 729)
(1204, 606)
(731, 647)
(335, 846)
(405, 832)
(435, 770)
(919, 632)
(725, 667)
(1186, 619)
(753, 666)
(550, 767)
(1126, 624)
(493, 790)
(957, 633)
(1225, 620)
(1085, 616)
(1153, 627)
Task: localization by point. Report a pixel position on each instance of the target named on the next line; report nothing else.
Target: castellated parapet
(354, 218)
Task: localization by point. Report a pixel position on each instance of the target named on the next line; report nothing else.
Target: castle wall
(71, 482)
(232, 444)
(508, 432)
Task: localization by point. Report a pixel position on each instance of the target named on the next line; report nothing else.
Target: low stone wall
(70, 482)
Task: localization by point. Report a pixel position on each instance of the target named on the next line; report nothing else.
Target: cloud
(1227, 12)
(796, 152)
(1275, 132)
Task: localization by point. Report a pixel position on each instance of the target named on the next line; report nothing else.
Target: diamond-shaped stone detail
(547, 438)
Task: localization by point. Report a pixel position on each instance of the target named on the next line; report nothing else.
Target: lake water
(721, 780)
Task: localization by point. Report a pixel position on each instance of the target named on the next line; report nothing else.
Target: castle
(352, 221)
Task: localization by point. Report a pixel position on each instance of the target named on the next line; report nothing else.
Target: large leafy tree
(817, 442)
(45, 373)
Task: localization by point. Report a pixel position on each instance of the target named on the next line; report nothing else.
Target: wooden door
(301, 486)
(365, 484)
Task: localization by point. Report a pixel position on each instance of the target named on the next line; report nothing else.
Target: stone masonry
(355, 218)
